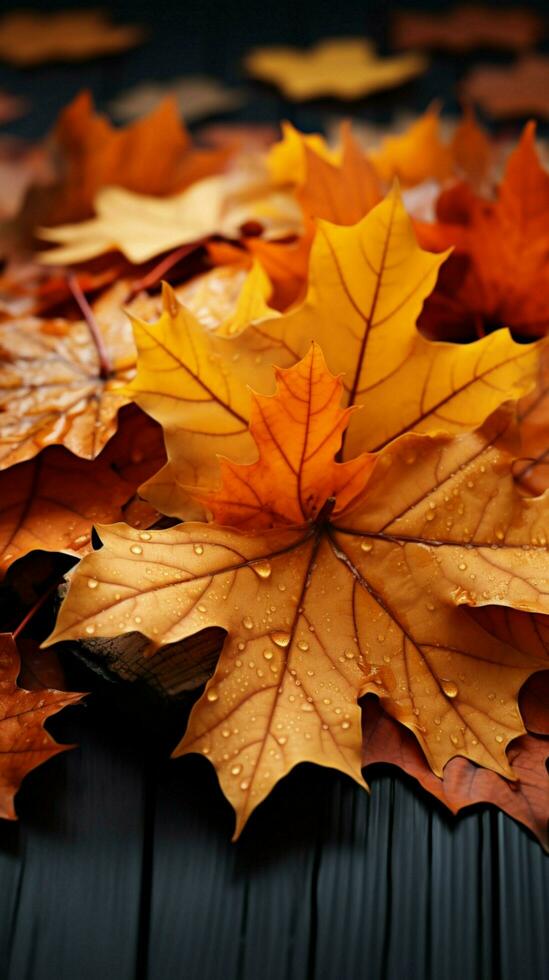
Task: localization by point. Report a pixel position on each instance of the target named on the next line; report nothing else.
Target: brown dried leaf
(30, 38)
(24, 743)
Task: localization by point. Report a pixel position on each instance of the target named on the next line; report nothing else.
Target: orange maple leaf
(24, 743)
(335, 579)
(151, 156)
(497, 276)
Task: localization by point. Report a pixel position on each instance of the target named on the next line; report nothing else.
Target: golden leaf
(347, 68)
(366, 592)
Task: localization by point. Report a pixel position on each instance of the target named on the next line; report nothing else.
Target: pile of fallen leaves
(301, 392)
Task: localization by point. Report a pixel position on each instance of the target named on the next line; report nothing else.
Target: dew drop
(90, 630)
(236, 770)
(92, 583)
(303, 645)
(462, 566)
(268, 654)
(248, 623)
(212, 695)
(136, 549)
(262, 569)
(198, 549)
(307, 707)
(345, 725)
(280, 638)
(282, 740)
(225, 732)
(450, 689)
(244, 784)
(366, 546)
(145, 536)
(499, 738)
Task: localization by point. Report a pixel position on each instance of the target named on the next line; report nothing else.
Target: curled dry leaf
(468, 26)
(334, 580)
(30, 38)
(463, 783)
(24, 743)
(516, 90)
(367, 284)
(345, 68)
(498, 273)
(196, 96)
(154, 155)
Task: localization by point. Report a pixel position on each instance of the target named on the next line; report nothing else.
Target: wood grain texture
(122, 867)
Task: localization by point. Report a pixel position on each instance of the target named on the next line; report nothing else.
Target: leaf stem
(105, 366)
(151, 278)
(34, 609)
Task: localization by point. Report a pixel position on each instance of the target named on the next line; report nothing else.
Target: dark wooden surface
(121, 866)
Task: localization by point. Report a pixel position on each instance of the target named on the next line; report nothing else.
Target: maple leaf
(497, 275)
(227, 298)
(143, 227)
(59, 386)
(464, 783)
(357, 584)
(467, 27)
(286, 159)
(30, 38)
(24, 742)
(367, 284)
(51, 502)
(151, 156)
(346, 68)
(196, 96)
(516, 90)
(420, 153)
(342, 193)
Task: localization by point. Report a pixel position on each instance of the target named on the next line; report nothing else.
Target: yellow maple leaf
(143, 227)
(347, 68)
(367, 284)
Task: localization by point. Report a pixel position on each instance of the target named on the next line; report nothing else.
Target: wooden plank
(73, 870)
